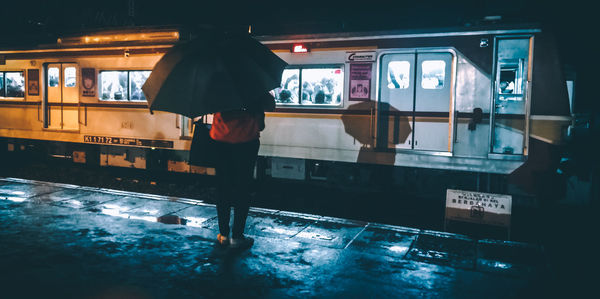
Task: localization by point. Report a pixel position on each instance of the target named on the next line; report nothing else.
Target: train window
(136, 80)
(122, 85)
(289, 91)
(433, 74)
(13, 85)
(53, 74)
(398, 74)
(1, 84)
(509, 86)
(113, 85)
(322, 86)
(311, 86)
(70, 76)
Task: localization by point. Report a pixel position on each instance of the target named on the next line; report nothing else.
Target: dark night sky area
(34, 22)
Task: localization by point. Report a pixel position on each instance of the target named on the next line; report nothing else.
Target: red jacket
(237, 126)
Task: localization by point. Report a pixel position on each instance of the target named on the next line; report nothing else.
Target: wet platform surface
(61, 240)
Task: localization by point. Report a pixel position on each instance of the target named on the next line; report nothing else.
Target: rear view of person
(236, 134)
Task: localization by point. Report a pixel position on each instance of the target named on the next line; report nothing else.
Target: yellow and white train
(477, 101)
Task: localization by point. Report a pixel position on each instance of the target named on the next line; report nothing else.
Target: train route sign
(127, 141)
(478, 207)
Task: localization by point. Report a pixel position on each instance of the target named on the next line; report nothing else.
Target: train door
(432, 102)
(62, 97)
(509, 125)
(414, 104)
(396, 103)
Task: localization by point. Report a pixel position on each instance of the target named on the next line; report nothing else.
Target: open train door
(61, 99)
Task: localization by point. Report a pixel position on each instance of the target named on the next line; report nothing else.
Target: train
(480, 108)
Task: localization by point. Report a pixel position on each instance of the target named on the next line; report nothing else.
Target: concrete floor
(69, 241)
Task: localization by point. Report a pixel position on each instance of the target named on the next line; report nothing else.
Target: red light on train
(299, 48)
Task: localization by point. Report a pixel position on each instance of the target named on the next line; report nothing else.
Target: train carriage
(462, 101)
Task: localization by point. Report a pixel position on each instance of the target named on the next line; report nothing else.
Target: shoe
(222, 240)
(241, 243)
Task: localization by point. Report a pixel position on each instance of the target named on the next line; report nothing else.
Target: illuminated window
(113, 85)
(289, 92)
(398, 74)
(12, 84)
(433, 74)
(136, 80)
(122, 85)
(53, 74)
(510, 83)
(70, 77)
(311, 86)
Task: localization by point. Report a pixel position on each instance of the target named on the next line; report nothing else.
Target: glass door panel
(396, 104)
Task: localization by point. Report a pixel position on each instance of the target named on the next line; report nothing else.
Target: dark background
(26, 23)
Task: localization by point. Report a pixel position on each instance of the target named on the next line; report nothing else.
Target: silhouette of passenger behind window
(285, 96)
(320, 97)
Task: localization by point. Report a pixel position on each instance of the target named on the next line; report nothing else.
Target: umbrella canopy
(214, 72)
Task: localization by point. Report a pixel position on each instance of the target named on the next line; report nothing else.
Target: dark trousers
(234, 171)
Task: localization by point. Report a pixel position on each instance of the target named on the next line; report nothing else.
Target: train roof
(169, 35)
(405, 33)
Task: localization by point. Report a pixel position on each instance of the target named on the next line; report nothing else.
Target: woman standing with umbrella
(221, 73)
(236, 134)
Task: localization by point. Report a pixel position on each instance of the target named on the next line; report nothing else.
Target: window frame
(128, 86)
(301, 67)
(4, 85)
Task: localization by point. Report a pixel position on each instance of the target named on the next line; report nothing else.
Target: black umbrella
(214, 72)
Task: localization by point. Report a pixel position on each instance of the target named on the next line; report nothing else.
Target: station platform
(70, 241)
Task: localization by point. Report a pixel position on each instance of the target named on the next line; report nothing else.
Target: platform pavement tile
(195, 216)
(159, 207)
(330, 234)
(383, 241)
(275, 225)
(142, 209)
(508, 257)
(60, 195)
(444, 250)
(119, 206)
(22, 190)
(87, 200)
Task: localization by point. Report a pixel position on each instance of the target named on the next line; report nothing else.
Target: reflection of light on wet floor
(427, 276)
(495, 264)
(15, 199)
(75, 203)
(119, 211)
(281, 231)
(309, 235)
(501, 265)
(433, 254)
(145, 218)
(194, 221)
(15, 196)
(114, 210)
(398, 249)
